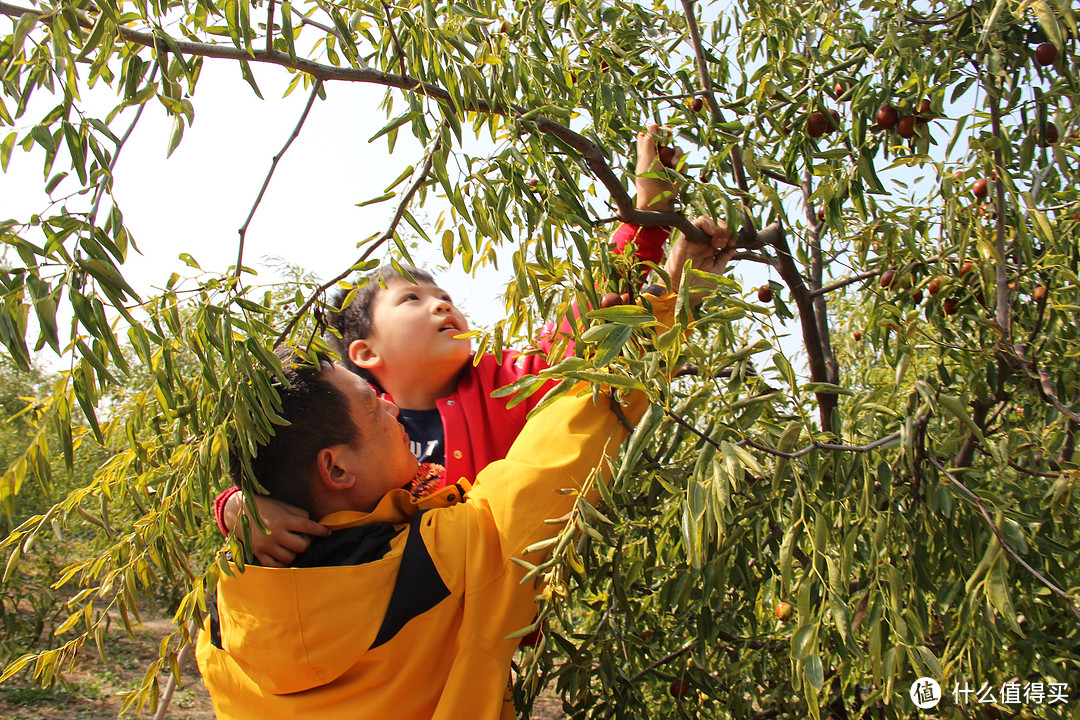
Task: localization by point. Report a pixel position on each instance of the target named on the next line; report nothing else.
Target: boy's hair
(355, 322)
(319, 417)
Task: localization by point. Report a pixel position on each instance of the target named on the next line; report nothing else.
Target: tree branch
(817, 270)
(714, 109)
(394, 37)
(116, 156)
(417, 184)
(273, 166)
(845, 282)
(821, 446)
(270, 25)
(1004, 309)
(590, 152)
(789, 272)
(1001, 538)
(664, 660)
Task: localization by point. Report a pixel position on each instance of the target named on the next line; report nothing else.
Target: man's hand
(711, 257)
(290, 530)
(655, 193)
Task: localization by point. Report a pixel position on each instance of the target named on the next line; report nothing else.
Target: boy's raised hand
(711, 257)
(655, 192)
(290, 530)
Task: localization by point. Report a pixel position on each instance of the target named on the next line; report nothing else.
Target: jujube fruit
(1040, 293)
(764, 294)
(610, 299)
(979, 188)
(816, 125)
(667, 156)
(887, 116)
(905, 127)
(1052, 134)
(678, 688)
(696, 104)
(784, 611)
(887, 278)
(835, 124)
(1046, 54)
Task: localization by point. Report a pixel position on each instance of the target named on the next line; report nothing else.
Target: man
(404, 610)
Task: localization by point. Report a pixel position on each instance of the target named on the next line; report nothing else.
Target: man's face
(380, 456)
(416, 326)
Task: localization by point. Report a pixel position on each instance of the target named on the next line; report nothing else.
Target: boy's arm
(290, 528)
(655, 191)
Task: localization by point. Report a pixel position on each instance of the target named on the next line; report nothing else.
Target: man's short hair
(319, 417)
(355, 322)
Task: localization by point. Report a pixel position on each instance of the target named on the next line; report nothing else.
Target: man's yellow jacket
(414, 624)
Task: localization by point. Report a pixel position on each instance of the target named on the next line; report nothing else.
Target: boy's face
(380, 456)
(415, 328)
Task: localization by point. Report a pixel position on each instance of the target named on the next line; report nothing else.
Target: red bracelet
(219, 507)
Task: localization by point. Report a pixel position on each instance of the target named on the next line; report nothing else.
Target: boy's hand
(711, 257)
(290, 530)
(655, 193)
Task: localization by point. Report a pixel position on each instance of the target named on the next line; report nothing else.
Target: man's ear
(364, 354)
(333, 474)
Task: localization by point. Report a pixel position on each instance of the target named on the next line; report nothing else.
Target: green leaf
(815, 672)
(5, 151)
(997, 591)
(803, 642)
(1048, 21)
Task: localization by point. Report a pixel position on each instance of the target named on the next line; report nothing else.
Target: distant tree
(777, 541)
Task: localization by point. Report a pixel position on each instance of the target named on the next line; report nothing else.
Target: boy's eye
(411, 296)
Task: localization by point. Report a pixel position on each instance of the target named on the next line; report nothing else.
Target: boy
(404, 338)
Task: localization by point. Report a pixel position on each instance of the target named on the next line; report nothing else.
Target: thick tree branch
(789, 272)
(273, 166)
(1001, 538)
(817, 271)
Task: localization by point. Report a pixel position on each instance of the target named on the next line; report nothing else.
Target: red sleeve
(650, 241)
(219, 507)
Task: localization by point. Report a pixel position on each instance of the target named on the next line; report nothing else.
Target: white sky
(196, 201)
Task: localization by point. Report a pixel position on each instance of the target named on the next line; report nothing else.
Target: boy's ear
(333, 474)
(364, 355)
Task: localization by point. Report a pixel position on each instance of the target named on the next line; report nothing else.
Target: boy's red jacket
(477, 428)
